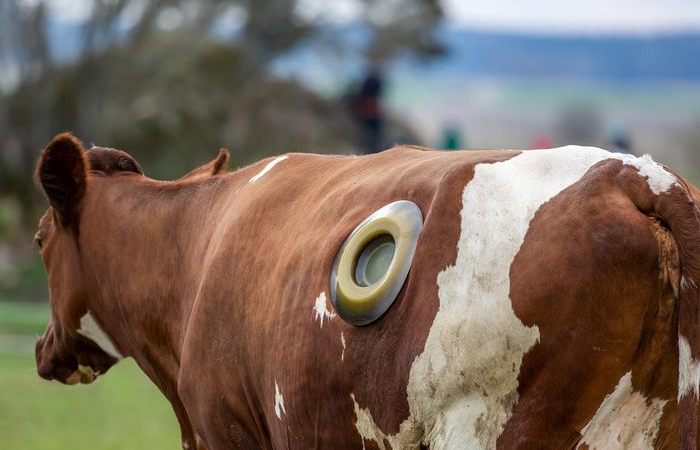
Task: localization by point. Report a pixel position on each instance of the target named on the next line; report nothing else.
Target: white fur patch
(365, 426)
(320, 310)
(342, 341)
(91, 330)
(268, 167)
(687, 283)
(625, 419)
(688, 370)
(462, 388)
(279, 403)
(660, 180)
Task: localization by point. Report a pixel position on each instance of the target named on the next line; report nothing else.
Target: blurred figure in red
(541, 141)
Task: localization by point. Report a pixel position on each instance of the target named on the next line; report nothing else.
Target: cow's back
(533, 275)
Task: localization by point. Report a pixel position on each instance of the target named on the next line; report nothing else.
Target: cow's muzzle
(54, 365)
(80, 362)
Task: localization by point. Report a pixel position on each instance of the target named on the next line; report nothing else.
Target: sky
(538, 16)
(577, 16)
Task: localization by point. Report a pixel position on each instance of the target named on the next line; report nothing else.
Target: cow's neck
(144, 244)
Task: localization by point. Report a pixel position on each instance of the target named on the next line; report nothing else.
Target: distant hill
(625, 58)
(611, 58)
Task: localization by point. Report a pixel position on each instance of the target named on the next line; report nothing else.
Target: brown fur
(678, 210)
(215, 167)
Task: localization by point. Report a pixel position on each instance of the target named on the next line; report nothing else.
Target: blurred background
(171, 81)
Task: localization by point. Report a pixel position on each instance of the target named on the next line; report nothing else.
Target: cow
(551, 301)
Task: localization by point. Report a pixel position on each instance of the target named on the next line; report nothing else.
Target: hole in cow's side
(372, 264)
(374, 260)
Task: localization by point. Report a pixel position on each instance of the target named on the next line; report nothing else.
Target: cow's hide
(547, 300)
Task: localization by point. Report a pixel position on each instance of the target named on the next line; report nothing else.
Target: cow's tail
(669, 198)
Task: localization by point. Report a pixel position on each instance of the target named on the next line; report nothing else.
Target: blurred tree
(403, 26)
(172, 80)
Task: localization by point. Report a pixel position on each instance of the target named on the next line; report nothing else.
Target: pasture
(122, 410)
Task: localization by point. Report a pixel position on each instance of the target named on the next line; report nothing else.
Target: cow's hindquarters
(676, 208)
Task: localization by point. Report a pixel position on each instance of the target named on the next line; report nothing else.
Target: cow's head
(72, 349)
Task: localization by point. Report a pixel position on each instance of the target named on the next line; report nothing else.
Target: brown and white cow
(551, 303)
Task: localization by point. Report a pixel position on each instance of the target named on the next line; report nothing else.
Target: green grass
(30, 285)
(23, 318)
(121, 410)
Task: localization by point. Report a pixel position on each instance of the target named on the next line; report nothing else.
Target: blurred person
(619, 139)
(368, 110)
(541, 141)
(452, 138)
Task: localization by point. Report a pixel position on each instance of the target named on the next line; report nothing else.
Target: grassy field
(120, 411)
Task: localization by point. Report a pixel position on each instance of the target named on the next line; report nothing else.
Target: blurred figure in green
(452, 138)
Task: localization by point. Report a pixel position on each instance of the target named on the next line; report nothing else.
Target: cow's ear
(213, 167)
(62, 173)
